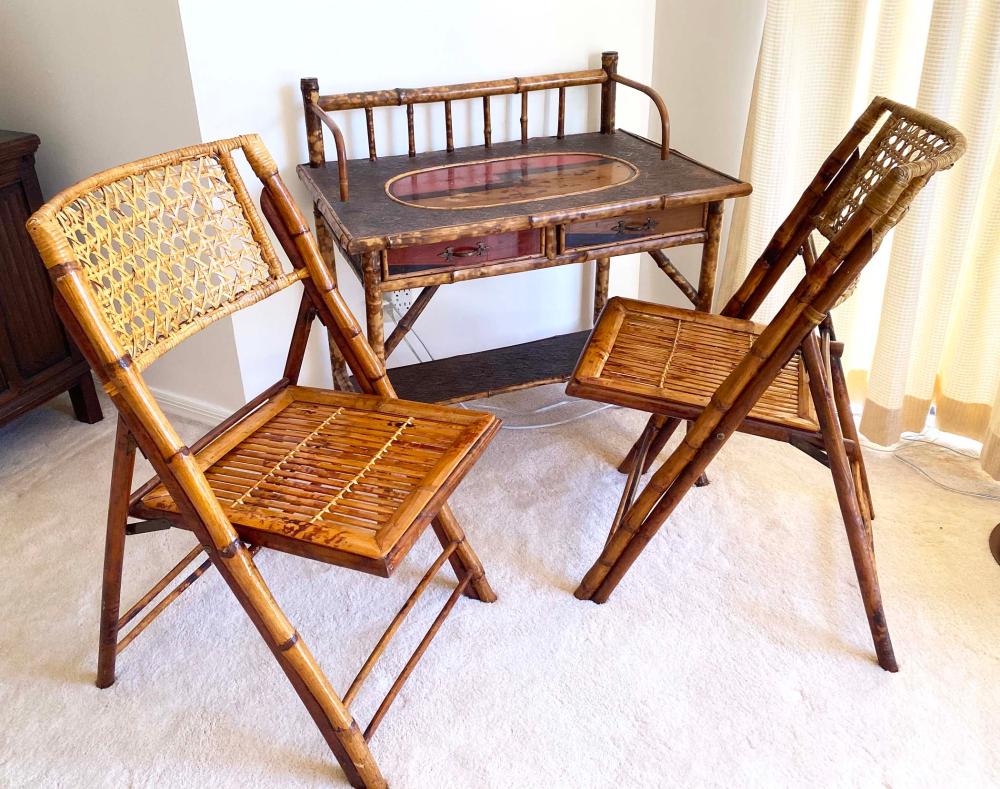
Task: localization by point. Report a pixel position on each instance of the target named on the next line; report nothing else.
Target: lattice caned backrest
(856, 197)
(904, 138)
(170, 247)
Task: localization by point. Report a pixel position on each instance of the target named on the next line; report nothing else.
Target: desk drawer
(463, 252)
(634, 226)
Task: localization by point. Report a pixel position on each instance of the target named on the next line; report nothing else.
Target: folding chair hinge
(144, 527)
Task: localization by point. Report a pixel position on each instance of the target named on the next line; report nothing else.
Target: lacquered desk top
(398, 200)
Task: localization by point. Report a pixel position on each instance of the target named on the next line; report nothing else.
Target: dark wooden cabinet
(37, 359)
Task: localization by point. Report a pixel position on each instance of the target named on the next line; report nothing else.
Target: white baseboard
(190, 408)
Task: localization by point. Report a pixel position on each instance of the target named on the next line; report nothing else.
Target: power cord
(922, 438)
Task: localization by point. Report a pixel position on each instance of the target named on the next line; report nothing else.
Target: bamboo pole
(324, 240)
(709, 257)
(373, 303)
(396, 623)
(602, 271)
(407, 321)
(667, 267)
(487, 129)
(411, 140)
(609, 65)
(847, 496)
(114, 553)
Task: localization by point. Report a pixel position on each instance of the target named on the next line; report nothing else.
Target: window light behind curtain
(923, 327)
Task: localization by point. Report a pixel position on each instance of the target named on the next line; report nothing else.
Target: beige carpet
(735, 653)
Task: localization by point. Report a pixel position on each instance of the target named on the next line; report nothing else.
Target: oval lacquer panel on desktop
(516, 179)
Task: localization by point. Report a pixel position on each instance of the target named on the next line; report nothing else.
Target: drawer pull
(464, 252)
(621, 227)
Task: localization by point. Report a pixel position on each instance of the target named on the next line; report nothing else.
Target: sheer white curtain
(923, 328)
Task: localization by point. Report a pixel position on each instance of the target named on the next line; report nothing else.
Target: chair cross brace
(143, 602)
(393, 628)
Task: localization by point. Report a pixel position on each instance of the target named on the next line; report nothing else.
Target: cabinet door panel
(33, 330)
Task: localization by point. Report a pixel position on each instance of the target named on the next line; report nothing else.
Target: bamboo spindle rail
(318, 107)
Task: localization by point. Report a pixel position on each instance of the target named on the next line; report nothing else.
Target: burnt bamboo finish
(324, 241)
(370, 224)
(351, 479)
(601, 276)
(781, 381)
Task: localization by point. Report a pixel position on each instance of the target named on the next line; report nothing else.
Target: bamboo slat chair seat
(670, 361)
(145, 255)
(334, 476)
(783, 380)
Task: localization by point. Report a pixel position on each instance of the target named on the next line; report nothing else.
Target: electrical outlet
(400, 300)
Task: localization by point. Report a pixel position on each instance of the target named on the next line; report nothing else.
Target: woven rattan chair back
(145, 255)
(856, 195)
(855, 198)
(169, 247)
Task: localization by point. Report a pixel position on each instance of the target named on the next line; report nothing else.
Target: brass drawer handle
(622, 227)
(464, 252)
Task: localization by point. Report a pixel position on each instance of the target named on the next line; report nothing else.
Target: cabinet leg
(83, 395)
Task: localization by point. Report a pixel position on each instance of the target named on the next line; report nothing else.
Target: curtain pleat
(922, 330)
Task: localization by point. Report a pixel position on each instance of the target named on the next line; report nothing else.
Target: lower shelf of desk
(474, 375)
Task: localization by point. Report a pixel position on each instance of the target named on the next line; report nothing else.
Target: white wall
(246, 59)
(108, 81)
(705, 56)
(102, 84)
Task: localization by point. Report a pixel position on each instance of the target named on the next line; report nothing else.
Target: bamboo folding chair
(782, 381)
(145, 255)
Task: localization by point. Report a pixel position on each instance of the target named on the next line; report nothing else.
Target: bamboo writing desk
(439, 217)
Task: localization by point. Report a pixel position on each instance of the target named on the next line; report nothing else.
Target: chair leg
(663, 428)
(464, 560)
(662, 493)
(114, 553)
(332, 718)
(634, 475)
(842, 401)
(848, 498)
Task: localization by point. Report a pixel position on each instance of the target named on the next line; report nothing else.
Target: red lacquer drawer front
(464, 252)
(634, 226)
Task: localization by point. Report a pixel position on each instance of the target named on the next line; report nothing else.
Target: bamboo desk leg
(373, 303)
(324, 240)
(601, 285)
(706, 278)
(709, 257)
